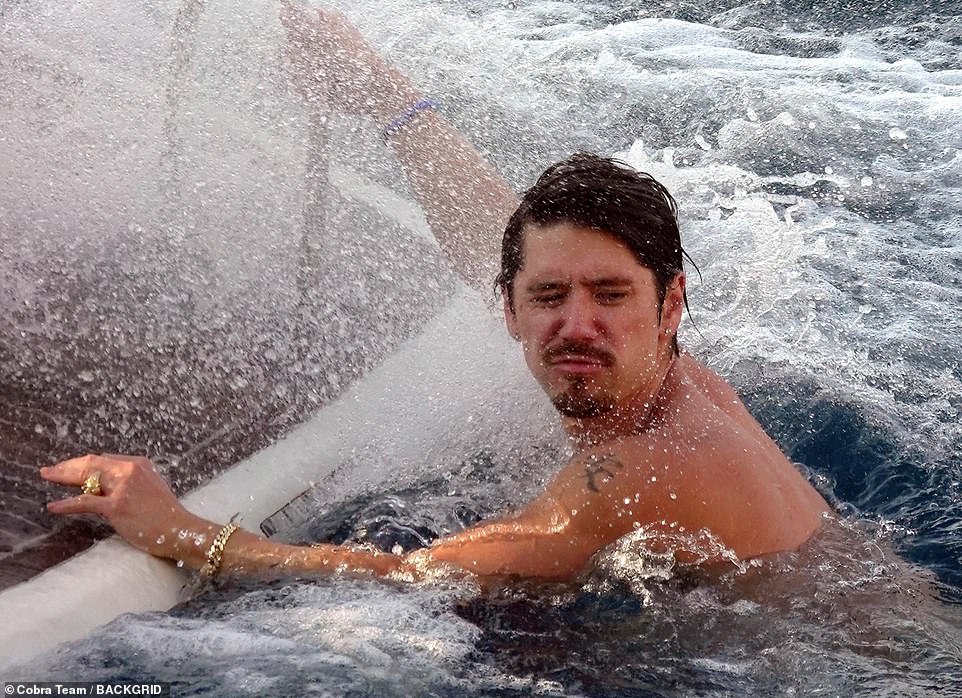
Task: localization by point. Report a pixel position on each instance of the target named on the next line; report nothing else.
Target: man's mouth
(578, 366)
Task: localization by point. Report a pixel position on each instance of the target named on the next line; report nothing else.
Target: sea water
(816, 157)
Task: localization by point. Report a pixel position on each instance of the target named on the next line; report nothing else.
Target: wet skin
(663, 444)
(592, 327)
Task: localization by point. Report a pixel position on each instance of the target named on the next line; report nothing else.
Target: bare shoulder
(619, 485)
(702, 463)
(741, 484)
(709, 386)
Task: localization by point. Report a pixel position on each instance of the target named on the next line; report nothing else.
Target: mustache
(605, 358)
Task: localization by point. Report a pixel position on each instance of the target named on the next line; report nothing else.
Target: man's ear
(673, 306)
(510, 320)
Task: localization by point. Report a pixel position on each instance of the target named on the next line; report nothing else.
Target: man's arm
(466, 201)
(552, 538)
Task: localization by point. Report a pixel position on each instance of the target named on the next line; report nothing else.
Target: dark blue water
(870, 474)
(815, 151)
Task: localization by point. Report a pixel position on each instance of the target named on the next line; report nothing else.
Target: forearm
(128, 492)
(536, 549)
(248, 554)
(466, 201)
(493, 550)
(464, 198)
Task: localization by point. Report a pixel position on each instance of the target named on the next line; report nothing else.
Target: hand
(334, 67)
(134, 499)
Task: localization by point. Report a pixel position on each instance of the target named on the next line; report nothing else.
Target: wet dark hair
(607, 195)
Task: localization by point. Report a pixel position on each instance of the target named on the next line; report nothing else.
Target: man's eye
(548, 298)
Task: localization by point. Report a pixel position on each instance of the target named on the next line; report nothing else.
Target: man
(591, 275)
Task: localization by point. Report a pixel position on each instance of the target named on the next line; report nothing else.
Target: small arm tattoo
(601, 468)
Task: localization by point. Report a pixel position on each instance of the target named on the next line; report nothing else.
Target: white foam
(850, 295)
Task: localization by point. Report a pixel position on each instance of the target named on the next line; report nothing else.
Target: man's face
(587, 314)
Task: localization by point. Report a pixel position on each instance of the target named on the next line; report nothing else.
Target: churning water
(816, 155)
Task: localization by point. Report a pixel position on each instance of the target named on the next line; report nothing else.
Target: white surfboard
(240, 161)
(438, 399)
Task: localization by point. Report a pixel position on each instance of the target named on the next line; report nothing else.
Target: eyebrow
(546, 286)
(611, 281)
(603, 282)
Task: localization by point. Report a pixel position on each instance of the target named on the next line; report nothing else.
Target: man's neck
(634, 416)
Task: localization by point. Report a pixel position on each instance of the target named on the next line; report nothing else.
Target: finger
(71, 472)
(81, 504)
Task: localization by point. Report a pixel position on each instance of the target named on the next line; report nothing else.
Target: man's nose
(579, 318)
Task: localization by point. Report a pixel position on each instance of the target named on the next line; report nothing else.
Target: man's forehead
(567, 251)
(568, 237)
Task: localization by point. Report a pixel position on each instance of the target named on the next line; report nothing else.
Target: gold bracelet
(215, 555)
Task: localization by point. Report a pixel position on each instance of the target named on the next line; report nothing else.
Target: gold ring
(92, 484)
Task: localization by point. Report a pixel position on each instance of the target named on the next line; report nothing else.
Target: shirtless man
(593, 290)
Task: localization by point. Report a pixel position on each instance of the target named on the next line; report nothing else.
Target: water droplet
(86, 376)
(160, 540)
(897, 134)
(673, 495)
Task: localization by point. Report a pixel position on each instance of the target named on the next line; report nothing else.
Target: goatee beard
(577, 403)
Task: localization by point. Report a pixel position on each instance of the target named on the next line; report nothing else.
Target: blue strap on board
(408, 115)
